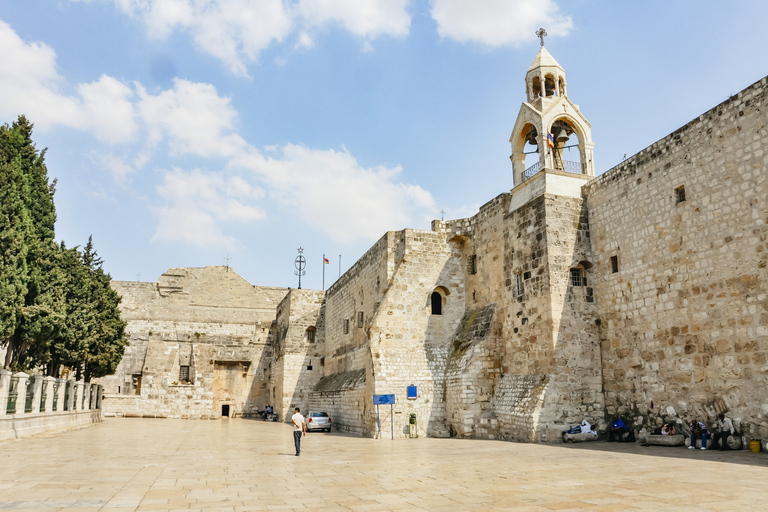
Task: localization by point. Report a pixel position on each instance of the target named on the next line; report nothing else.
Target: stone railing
(30, 404)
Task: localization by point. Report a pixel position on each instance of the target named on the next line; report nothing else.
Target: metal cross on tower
(301, 264)
(228, 257)
(540, 34)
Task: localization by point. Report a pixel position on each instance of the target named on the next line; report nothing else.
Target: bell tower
(550, 125)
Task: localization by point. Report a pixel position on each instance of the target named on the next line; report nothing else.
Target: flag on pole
(550, 140)
(326, 260)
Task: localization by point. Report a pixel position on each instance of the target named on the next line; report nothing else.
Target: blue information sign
(412, 394)
(383, 399)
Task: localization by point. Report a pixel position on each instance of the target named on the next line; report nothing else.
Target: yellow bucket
(754, 446)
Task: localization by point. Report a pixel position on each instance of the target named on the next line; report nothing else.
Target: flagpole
(339, 265)
(323, 272)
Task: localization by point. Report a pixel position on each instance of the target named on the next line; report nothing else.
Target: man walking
(299, 428)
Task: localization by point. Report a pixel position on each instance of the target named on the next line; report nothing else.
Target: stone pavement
(242, 465)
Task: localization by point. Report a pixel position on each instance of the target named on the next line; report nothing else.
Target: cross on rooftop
(227, 257)
(540, 34)
(442, 214)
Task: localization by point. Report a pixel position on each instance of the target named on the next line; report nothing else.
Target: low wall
(14, 426)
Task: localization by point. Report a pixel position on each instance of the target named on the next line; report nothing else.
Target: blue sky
(183, 131)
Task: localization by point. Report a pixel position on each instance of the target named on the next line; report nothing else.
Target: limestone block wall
(298, 360)
(343, 397)
(684, 317)
(209, 319)
(574, 390)
(409, 344)
(468, 389)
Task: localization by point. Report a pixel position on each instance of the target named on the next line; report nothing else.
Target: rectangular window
(518, 286)
(183, 373)
(577, 277)
(679, 194)
(360, 319)
(614, 264)
(472, 264)
(346, 326)
(311, 335)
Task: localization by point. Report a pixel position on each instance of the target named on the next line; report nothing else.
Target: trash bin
(413, 428)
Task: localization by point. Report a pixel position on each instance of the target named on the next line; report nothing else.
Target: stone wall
(342, 396)
(209, 320)
(684, 319)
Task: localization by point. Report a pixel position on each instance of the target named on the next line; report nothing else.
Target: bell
(562, 137)
(530, 138)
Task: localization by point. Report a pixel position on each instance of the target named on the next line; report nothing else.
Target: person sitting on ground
(668, 429)
(698, 429)
(723, 429)
(618, 429)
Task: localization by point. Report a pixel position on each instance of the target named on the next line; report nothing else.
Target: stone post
(37, 390)
(79, 385)
(60, 405)
(5, 384)
(70, 387)
(86, 396)
(21, 397)
(48, 385)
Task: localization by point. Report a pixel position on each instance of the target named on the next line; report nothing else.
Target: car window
(323, 414)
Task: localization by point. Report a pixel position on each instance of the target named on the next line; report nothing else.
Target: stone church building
(643, 291)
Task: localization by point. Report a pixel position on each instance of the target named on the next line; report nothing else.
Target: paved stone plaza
(240, 465)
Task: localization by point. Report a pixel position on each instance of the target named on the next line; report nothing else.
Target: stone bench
(578, 438)
(659, 440)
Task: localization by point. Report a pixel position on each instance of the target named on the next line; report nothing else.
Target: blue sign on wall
(412, 394)
(383, 399)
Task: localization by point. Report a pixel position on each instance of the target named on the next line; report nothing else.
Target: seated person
(617, 430)
(668, 430)
(723, 429)
(698, 429)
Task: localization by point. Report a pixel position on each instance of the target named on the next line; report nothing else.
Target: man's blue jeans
(297, 440)
(703, 440)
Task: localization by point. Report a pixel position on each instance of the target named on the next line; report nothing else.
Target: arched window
(311, 334)
(437, 303)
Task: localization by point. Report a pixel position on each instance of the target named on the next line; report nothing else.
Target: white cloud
(118, 167)
(107, 110)
(332, 192)
(368, 18)
(29, 82)
(236, 31)
(194, 119)
(198, 202)
(498, 22)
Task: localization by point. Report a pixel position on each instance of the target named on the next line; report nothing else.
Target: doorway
(225, 410)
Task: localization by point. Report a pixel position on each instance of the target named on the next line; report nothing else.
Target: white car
(318, 421)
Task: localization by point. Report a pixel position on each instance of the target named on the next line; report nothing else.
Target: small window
(309, 366)
(614, 264)
(360, 318)
(437, 303)
(311, 331)
(577, 277)
(472, 264)
(184, 374)
(679, 194)
(518, 286)
(346, 326)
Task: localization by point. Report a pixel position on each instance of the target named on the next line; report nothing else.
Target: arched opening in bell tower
(568, 147)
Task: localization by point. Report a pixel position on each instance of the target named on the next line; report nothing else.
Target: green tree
(30, 308)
